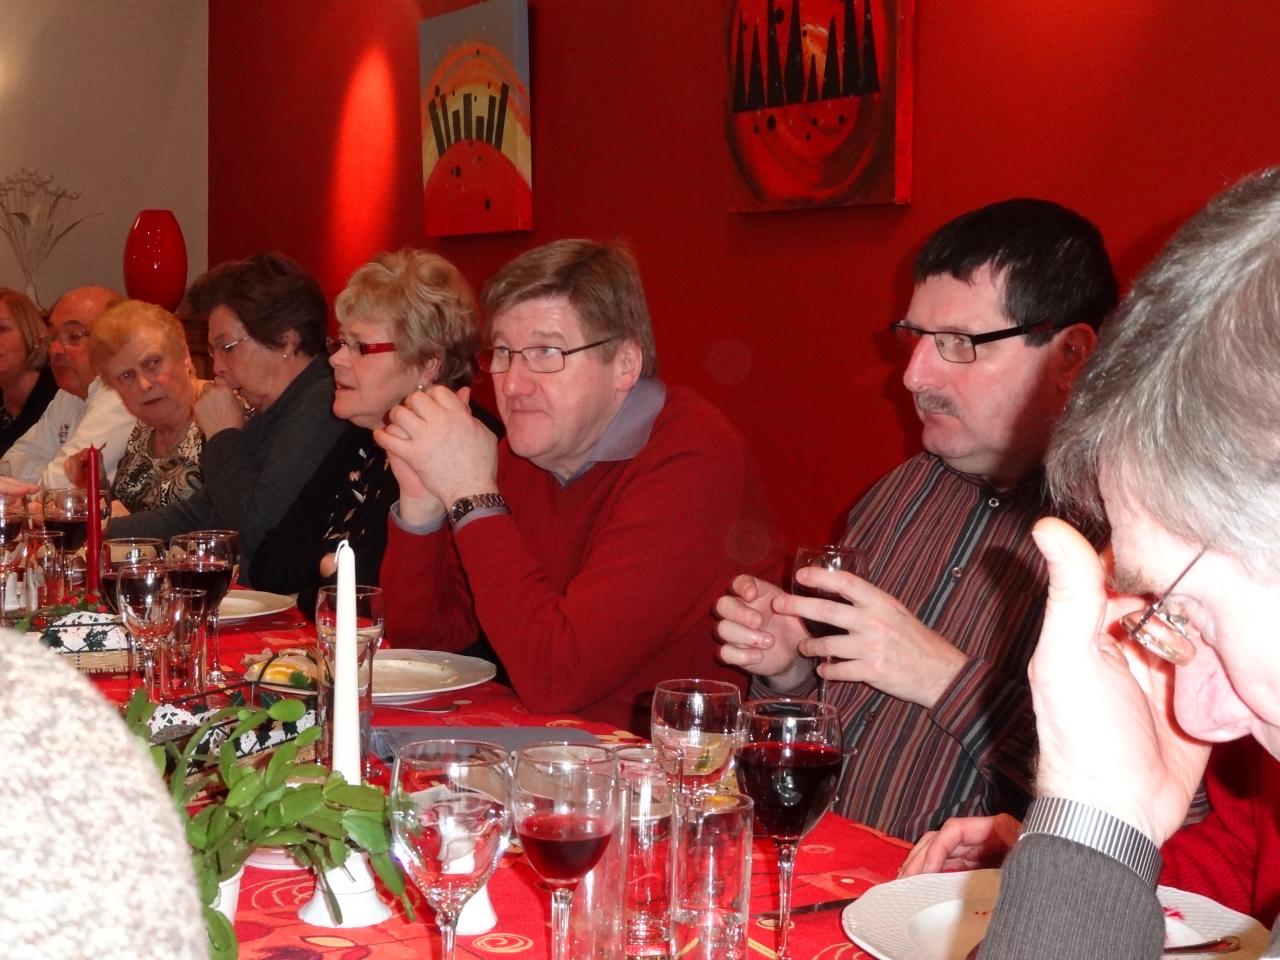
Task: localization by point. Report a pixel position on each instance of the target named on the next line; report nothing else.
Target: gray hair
(425, 302)
(1180, 404)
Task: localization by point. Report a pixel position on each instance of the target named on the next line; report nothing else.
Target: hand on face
(217, 409)
(882, 642)
(1104, 707)
(758, 639)
(963, 843)
(451, 453)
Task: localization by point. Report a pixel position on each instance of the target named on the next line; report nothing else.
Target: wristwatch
(1091, 827)
(481, 501)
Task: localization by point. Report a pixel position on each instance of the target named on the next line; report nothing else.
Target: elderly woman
(26, 381)
(267, 321)
(140, 351)
(406, 321)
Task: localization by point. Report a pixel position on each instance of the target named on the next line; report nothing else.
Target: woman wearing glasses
(406, 321)
(267, 321)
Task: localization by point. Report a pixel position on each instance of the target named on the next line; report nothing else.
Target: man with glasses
(590, 544)
(83, 412)
(930, 645)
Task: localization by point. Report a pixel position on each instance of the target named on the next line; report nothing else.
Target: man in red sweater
(591, 543)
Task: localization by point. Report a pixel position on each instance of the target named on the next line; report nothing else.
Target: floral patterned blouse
(144, 481)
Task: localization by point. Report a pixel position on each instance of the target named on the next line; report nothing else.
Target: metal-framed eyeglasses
(1161, 630)
(229, 346)
(537, 359)
(953, 346)
(69, 338)
(334, 344)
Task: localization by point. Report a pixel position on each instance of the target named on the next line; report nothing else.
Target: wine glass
(565, 801)
(67, 509)
(789, 765)
(694, 727)
(125, 552)
(829, 557)
(13, 522)
(207, 560)
(450, 821)
(150, 611)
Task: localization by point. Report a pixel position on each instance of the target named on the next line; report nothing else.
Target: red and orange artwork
(477, 167)
(819, 106)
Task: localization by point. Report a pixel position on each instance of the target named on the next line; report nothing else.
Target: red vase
(155, 259)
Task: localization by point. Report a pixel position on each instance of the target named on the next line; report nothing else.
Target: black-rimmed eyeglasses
(953, 346)
(1160, 630)
(537, 359)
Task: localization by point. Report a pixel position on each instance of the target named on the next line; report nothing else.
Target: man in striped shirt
(929, 664)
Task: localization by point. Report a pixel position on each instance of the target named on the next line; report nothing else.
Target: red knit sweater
(593, 592)
(1233, 855)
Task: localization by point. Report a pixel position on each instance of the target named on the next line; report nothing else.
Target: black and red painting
(477, 155)
(819, 105)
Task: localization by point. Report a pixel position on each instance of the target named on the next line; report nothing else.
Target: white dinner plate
(243, 604)
(940, 916)
(407, 676)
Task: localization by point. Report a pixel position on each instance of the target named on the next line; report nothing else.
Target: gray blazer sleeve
(1060, 899)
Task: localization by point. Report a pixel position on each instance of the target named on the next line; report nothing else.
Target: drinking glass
(67, 509)
(125, 552)
(450, 821)
(370, 616)
(789, 765)
(711, 877)
(647, 894)
(831, 556)
(208, 560)
(564, 803)
(43, 574)
(13, 521)
(150, 610)
(180, 667)
(694, 725)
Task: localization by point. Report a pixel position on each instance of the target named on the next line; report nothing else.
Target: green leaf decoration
(290, 711)
(355, 797)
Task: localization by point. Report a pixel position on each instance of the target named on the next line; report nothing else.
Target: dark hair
(600, 280)
(270, 295)
(1053, 262)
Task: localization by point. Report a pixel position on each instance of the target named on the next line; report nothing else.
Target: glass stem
(561, 900)
(446, 923)
(214, 669)
(149, 673)
(786, 867)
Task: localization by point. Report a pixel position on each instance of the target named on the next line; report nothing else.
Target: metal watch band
(1097, 830)
(481, 501)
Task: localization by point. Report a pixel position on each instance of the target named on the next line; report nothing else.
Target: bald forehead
(82, 305)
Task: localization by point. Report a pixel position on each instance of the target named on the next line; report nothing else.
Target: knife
(810, 908)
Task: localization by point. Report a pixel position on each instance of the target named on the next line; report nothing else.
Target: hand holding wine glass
(694, 726)
(789, 765)
(828, 557)
(564, 803)
(450, 821)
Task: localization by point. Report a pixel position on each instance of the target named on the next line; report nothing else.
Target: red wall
(1132, 113)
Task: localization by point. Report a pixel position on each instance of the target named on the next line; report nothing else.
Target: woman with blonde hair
(140, 351)
(406, 320)
(26, 382)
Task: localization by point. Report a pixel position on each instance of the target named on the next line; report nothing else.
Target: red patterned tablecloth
(839, 859)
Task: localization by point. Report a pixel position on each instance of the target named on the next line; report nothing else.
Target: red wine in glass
(562, 847)
(792, 784)
(832, 556)
(110, 584)
(74, 531)
(211, 576)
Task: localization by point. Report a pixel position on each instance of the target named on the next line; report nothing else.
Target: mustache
(934, 403)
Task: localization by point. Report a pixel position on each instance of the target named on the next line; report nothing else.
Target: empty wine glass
(789, 765)
(694, 728)
(150, 611)
(450, 821)
(13, 521)
(830, 556)
(208, 560)
(564, 802)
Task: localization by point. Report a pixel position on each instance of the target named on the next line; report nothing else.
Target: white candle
(346, 704)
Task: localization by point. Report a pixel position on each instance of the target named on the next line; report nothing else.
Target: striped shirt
(958, 553)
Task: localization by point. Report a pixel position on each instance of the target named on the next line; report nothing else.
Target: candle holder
(353, 887)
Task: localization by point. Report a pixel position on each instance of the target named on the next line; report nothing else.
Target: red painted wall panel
(1132, 113)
